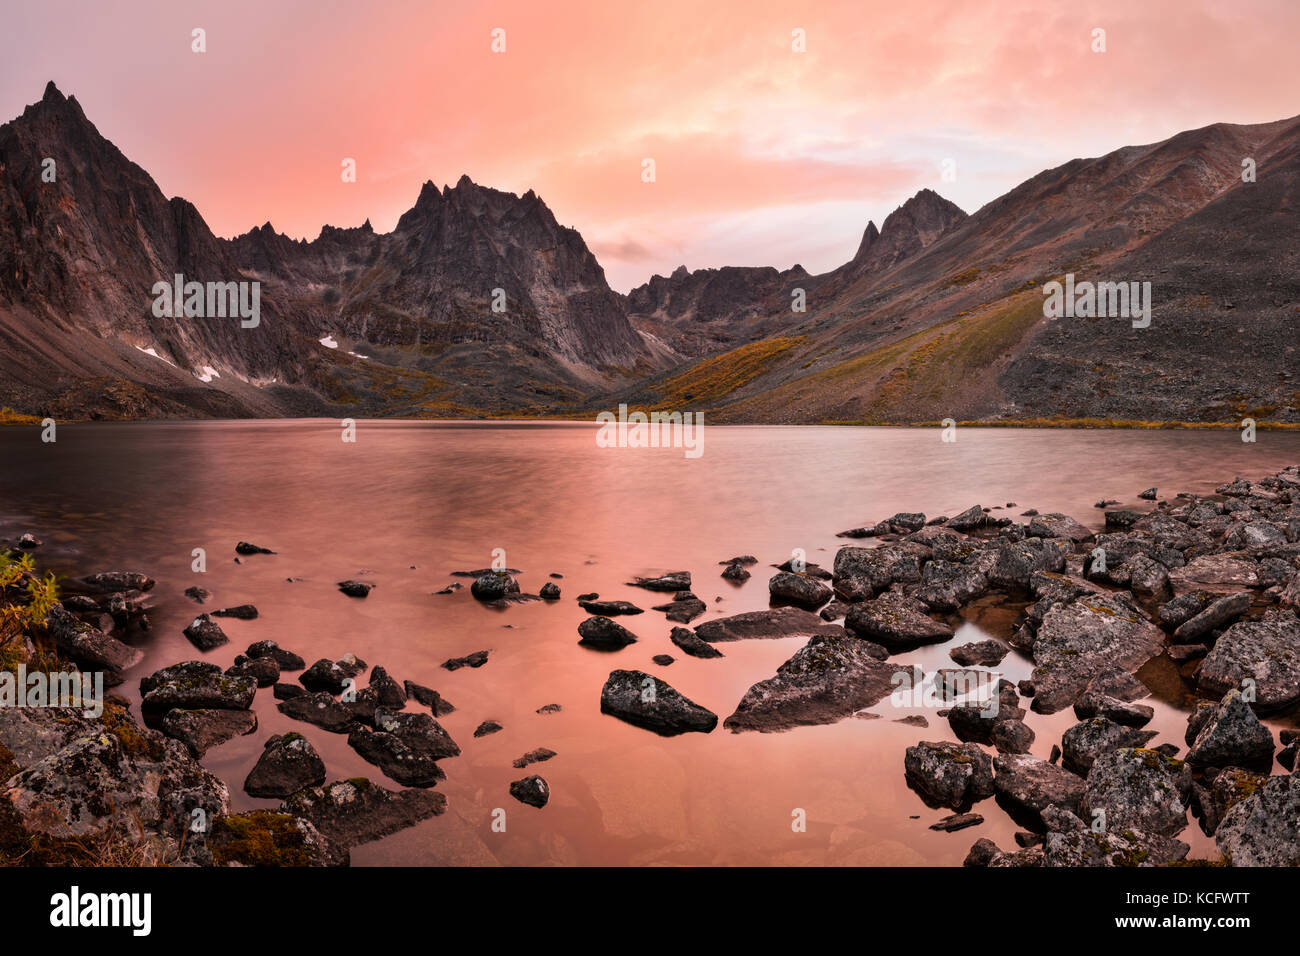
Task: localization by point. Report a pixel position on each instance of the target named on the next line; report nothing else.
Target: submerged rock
(353, 812)
(534, 756)
(201, 730)
(673, 581)
(685, 607)
(118, 581)
(648, 702)
(764, 625)
(429, 698)
(691, 644)
(242, 612)
(477, 659)
(610, 608)
(826, 680)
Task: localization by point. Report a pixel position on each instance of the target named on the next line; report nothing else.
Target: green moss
(260, 838)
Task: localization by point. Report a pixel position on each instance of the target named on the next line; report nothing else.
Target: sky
(764, 154)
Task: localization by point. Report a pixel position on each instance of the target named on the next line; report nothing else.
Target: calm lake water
(409, 503)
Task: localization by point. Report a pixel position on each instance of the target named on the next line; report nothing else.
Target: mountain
(406, 318)
(937, 315)
(952, 325)
(711, 309)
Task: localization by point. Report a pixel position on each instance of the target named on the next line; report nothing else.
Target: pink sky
(764, 156)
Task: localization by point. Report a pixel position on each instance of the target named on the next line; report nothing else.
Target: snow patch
(329, 342)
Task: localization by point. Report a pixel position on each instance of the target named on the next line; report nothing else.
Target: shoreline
(1191, 576)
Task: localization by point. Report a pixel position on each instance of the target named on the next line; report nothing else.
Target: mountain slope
(956, 329)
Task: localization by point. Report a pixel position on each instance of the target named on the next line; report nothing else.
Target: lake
(410, 502)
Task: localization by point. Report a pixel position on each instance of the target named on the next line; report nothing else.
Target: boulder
(1089, 636)
(195, 685)
(201, 730)
(951, 775)
(205, 633)
(287, 764)
(763, 625)
(896, 622)
(648, 702)
(1232, 736)
(826, 680)
(603, 633)
(1266, 652)
(1140, 789)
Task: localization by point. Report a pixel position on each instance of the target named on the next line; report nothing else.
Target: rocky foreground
(1203, 587)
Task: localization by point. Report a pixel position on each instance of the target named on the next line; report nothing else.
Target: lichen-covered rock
(987, 653)
(896, 622)
(1017, 561)
(1214, 616)
(1265, 652)
(1092, 634)
(648, 702)
(1138, 789)
(90, 647)
(1083, 743)
(1264, 828)
(288, 660)
(1232, 736)
(325, 675)
(320, 709)
(195, 685)
(494, 586)
(826, 680)
(947, 586)
(952, 775)
(1056, 525)
(263, 670)
(287, 764)
(861, 573)
(270, 838)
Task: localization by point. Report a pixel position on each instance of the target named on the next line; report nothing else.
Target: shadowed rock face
(82, 254)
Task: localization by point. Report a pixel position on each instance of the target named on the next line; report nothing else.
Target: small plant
(26, 598)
